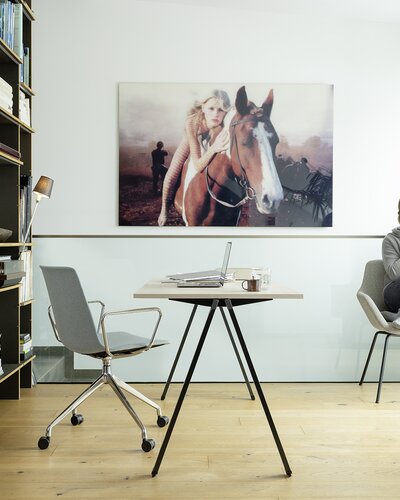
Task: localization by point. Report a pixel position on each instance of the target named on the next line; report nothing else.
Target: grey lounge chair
(370, 296)
(74, 327)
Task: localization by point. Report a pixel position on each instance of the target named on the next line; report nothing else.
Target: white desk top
(231, 290)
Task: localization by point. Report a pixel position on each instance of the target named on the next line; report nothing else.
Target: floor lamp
(42, 189)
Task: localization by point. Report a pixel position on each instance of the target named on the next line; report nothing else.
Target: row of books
(25, 346)
(25, 197)
(6, 95)
(11, 21)
(11, 30)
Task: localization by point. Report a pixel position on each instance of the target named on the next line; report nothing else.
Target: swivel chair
(73, 326)
(370, 296)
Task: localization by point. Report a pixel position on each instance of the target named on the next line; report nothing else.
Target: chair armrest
(101, 312)
(53, 322)
(130, 311)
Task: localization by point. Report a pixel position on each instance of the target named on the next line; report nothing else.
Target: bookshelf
(15, 173)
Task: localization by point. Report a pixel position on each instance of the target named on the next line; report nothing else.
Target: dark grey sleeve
(391, 257)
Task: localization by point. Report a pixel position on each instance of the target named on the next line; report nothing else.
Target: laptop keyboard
(199, 284)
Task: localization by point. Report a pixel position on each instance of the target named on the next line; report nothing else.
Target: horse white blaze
(271, 195)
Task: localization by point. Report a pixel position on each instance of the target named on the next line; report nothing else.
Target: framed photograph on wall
(245, 155)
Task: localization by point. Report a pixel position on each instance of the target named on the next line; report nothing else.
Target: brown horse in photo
(246, 171)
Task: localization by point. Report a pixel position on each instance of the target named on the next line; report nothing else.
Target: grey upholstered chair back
(370, 294)
(71, 312)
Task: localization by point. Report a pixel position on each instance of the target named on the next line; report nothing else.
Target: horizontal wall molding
(224, 236)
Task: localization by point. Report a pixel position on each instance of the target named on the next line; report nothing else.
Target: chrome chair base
(118, 386)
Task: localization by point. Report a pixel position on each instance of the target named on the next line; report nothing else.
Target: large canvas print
(241, 155)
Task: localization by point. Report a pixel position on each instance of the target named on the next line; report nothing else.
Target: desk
(229, 296)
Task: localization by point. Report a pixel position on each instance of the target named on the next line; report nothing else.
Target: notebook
(207, 282)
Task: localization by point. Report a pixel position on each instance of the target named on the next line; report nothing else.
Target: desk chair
(73, 326)
(370, 296)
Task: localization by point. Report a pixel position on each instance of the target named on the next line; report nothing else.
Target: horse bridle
(242, 181)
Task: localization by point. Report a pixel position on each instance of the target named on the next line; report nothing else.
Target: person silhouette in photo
(158, 167)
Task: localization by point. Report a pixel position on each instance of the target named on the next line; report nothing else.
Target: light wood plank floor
(339, 443)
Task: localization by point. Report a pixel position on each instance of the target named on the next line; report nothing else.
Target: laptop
(207, 282)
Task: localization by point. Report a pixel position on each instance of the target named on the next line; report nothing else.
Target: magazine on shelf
(9, 150)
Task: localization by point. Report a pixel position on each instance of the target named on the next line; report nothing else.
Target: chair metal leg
(125, 402)
(369, 357)
(237, 354)
(137, 394)
(185, 387)
(189, 323)
(378, 394)
(259, 388)
(72, 407)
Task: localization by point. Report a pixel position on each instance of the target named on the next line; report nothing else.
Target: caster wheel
(148, 445)
(44, 442)
(162, 421)
(77, 419)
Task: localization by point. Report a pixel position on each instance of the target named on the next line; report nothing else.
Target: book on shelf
(23, 337)
(11, 279)
(5, 87)
(9, 150)
(25, 67)
(25, 291)
(17, 46)
(24, 109)
(25, 346)
(26, 355)
(25, 197)
(5, 257)
(11, 266)
(6, 103)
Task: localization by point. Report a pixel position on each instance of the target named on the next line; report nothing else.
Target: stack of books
(11, 271)
(6, 95)
(25, 346)
(24, 109)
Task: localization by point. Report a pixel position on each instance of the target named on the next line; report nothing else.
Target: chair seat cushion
(125, 343)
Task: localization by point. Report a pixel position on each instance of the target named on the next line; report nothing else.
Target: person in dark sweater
(391, 263)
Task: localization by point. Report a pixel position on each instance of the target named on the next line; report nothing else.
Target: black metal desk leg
(259, 388)
(237, 354)
(185, 387)
(189, 324)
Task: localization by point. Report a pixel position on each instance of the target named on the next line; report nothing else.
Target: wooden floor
(339, 443)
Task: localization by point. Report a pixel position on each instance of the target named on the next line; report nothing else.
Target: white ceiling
(370, 10)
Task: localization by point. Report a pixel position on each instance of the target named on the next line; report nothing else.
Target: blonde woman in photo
(204, 137)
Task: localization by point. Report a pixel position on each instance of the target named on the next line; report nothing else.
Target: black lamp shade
(44, 186)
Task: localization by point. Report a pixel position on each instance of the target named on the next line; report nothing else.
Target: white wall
(82, 49)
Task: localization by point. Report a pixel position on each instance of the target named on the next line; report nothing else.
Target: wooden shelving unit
(15, 316)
